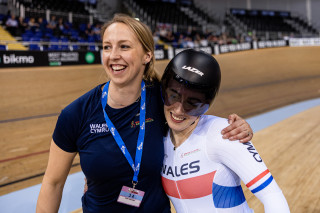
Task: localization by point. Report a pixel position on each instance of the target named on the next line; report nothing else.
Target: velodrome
(253, 82)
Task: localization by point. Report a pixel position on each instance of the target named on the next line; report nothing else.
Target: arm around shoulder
(238, 129)
(245, 161)
(58, 168)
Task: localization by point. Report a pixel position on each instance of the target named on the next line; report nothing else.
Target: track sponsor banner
(60, 58)
(161, 54)
(269, 44)
(178, 50)
(235, 47)
(22, 59)
(47, 58)
(299, 42)
(207, 49)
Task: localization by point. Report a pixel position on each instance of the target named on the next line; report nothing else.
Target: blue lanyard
(135, 166)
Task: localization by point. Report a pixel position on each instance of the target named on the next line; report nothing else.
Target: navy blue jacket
(81, 128)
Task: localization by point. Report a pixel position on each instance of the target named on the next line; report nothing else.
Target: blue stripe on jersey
(226, 196)
(262, 186)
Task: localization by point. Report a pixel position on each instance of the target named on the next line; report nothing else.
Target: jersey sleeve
(66, 131)
(245, 161)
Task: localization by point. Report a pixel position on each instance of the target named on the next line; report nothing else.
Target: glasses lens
(199, 110)
(193, 102)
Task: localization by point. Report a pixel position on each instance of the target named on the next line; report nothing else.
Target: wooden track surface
(253, 82)
(290, 149)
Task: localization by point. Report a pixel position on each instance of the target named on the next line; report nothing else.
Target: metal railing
(52, 46)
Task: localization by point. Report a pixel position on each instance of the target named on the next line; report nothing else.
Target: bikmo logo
(13, 59)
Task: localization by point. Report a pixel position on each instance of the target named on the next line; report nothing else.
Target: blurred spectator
(222, 39)
(197, 40)
(169, 37)
(52, 23)
(162, 31)
(88, 31)
(60, 27)
(181, 43)
(96, 30)
(22, 26)
(156, 35)
(203, 41)
(191, 32)
(42, 25)
(213, 39)
(189, 42)
(12, 25)
(248, 37)
(32, 25)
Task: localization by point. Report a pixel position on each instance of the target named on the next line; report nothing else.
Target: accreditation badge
(130, 196)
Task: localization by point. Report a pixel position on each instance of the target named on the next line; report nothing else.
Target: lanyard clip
(134, 183)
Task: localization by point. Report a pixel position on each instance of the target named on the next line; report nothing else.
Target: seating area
(173, 23)
(271, 22)
(303, 24)
(57, 33)
(10, 41)
(263, 20)
(182, 14)
(179, 24)
(186, 24)
(166, 12)
(74, 6)
(63, 33)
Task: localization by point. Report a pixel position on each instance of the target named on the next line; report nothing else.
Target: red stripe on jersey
(189, 188)
(256, 179)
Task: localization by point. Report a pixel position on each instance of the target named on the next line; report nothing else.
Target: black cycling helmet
(193, 79)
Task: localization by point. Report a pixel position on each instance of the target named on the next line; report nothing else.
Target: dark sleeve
(160, 103)
(67, 129)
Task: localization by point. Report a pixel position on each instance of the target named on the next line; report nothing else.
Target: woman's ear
(147, 58)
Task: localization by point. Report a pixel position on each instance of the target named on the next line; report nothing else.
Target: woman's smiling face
(123, 56)
(182, 100)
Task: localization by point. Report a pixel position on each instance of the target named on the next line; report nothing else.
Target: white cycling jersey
(204, 173)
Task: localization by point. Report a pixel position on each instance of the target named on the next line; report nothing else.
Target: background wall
(217, 8)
